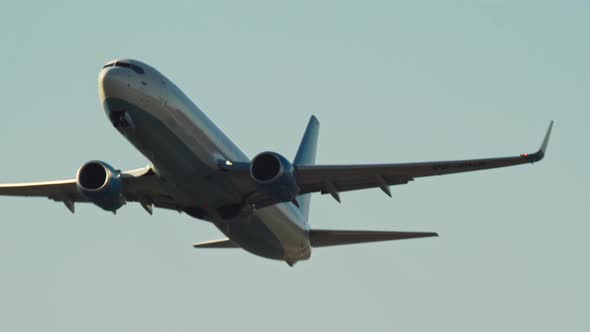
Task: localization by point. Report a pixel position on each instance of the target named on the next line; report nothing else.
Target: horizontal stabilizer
(223, 243)
(324, 238)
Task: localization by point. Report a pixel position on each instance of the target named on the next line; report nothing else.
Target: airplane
(261, 204)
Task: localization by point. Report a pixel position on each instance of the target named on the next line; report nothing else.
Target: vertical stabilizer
(306, 156)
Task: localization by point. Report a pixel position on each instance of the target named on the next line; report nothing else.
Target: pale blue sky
(390, 82)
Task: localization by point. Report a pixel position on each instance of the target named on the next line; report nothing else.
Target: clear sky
(390, 82)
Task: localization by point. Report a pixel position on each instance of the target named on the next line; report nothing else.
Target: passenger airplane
(261, 205)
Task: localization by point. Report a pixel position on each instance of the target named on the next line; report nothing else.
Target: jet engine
(275, 175)
(101, 184)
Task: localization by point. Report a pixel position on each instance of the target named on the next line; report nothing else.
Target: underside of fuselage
(166, 131)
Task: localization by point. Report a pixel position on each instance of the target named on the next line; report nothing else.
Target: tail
(306, 156)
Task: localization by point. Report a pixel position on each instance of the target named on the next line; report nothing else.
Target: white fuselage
(186, 149)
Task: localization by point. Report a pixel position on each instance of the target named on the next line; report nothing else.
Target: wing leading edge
(333, 179)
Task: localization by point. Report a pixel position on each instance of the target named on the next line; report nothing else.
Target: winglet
(546, 140)
(537, 156)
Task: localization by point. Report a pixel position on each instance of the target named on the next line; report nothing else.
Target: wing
(333, 179)
(57, 190)
(140, 185)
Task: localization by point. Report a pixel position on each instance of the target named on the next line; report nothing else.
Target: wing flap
(325, 238)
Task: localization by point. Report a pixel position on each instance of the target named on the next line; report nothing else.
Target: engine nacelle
(101, 184)
(275, 175)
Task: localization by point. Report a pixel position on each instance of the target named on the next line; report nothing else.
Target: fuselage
(186, 149)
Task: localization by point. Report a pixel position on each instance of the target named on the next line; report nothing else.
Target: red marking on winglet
(525, 155)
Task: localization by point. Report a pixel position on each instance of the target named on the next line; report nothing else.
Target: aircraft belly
(252, 235)
(185, 153)
(293, 237)
(270, 233)
(178, 162)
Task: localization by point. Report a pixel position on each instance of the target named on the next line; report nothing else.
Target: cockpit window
(137, 69)
(131, 66)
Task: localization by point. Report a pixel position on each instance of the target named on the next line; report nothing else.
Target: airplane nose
(112, 86)
(111, 82)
